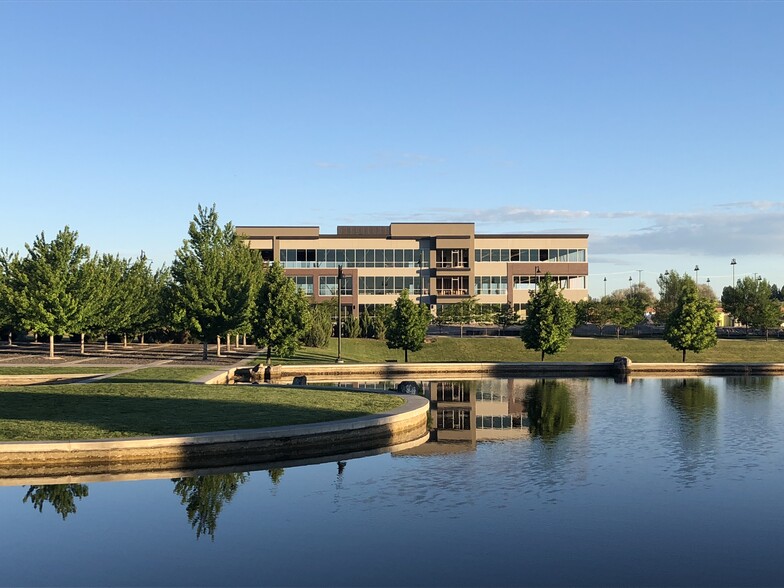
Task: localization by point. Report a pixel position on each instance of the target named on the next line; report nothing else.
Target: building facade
(438, 263)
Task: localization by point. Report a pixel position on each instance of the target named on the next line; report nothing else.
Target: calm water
(568, 482)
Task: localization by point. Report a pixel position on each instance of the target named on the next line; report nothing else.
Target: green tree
(204, 497)
(407, 325)
(213, 285)
(752, 303)
(351, 328)
(281, 316)
(365, 324)
(319, 329)
(670, 286)
(44, 285)
(549, 321)
(691, 326)
(60, 496)
(506, 317)
(379, 321)
(9, 318)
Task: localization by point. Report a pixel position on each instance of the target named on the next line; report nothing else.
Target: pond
(580, 482)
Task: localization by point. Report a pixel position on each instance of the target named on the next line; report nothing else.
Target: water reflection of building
(471, 410)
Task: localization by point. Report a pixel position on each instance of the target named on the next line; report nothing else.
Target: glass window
(477, 255)
(340, 256)
(350, 261)
(514, 255)
(321, 257)
(542, 254)
(360, 257)
(389, 258)
(370, 256)
(504, 255)
(495, 255)
(399, 258)
(563, 255)
(553, 255)
(485, 255)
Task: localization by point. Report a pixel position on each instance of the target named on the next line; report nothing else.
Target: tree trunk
(406, 353)
(141, 339)
(217, 339)
(10, 339)
(542, 355)
(236, 341)
(269, 354)
(204, 350)
(684, 356)
(35, 338)
(51, 346)
(106, 342)
(125, 340)
(228, 342)
(244, 339)
(81, 345)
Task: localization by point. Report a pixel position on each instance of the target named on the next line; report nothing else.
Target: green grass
(35, 370)
(107, 410)
(171, 375)
(500, 349)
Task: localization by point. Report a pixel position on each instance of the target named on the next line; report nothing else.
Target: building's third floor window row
(538, 255)
(306, 258)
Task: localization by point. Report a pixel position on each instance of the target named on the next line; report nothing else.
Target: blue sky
(657, 128)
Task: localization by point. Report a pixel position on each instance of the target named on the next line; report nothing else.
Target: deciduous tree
(281, 314)
(691, 326)
(407, 325)
(549, 319)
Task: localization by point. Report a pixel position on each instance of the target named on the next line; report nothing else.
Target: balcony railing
(452, 292)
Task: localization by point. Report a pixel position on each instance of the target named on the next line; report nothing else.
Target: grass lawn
(35, 370)
(580, 349)
(170, 375)
(103, 410)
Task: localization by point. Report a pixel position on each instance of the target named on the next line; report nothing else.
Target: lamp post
(605, 286)
(733, 263)
(340, 313)
(696, 273)
(630, 285)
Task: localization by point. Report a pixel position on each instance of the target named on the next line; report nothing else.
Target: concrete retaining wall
(404, 424)
(27, 380)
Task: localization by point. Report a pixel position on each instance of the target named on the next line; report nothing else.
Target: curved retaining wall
(406, 423)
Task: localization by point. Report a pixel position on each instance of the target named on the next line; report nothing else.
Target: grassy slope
(448, 349)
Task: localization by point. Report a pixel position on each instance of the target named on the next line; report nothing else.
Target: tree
(281, 316)
(351, 328)
(319, 329)
(214, 275)
(407, 325)
(670, 285)
(9, 318)
(365, 324)
(506, 317)
(691, 326)
(752, 303)
(549, 321)
(44, 285)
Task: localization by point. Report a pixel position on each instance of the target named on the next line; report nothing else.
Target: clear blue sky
(657, 128)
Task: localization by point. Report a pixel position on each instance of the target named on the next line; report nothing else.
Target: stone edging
(403, 424)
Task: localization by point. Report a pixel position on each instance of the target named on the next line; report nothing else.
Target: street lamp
(340, 313)
(733, 263)
(696, 273)
(630, 285)
(605, 286)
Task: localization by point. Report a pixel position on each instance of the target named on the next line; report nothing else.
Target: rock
(622, 365)
(256, 374)
(407, 387)
(300, 381)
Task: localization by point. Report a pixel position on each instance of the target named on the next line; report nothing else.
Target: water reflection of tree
(204, 497)
(755, 385)
(276, 474)
(693, 398)
(550, 409)
(60, 496)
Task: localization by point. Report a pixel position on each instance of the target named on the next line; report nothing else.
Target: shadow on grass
(129, 416)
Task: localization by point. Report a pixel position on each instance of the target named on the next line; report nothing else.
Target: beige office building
(438, 263)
